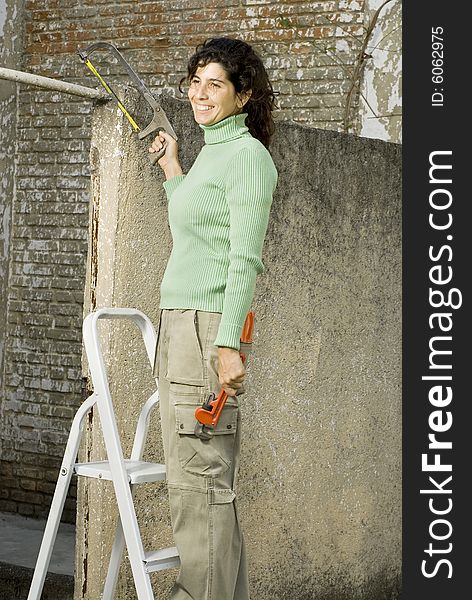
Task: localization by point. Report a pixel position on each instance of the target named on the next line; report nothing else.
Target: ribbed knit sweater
(218, 217)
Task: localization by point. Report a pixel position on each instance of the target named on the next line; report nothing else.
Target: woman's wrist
(172, 169)
(227, 350)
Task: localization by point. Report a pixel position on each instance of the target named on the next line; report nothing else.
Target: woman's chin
(204, 119)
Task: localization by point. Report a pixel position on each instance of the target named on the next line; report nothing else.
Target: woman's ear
(243, 98)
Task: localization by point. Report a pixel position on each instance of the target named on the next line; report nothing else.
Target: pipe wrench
(209, 413)
(159, 120)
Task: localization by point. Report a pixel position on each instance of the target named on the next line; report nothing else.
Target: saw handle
(155, 156)
(210, 412)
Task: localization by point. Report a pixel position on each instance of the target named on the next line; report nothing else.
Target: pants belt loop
(210, 491)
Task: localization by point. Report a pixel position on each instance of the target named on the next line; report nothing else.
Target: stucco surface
(320, 480)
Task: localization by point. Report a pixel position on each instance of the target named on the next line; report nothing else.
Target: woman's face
(213, 96)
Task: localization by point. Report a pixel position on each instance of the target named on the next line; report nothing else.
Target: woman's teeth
(204, 108)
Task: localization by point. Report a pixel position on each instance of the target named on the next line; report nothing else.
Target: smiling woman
(218, 216)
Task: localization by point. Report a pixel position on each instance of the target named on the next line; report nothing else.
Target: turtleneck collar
(227, 129)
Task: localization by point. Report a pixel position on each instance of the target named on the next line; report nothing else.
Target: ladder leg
(124, 497)
(50, 533)
(116, 558)
(130, 528)
(58, 500)
(115, 561)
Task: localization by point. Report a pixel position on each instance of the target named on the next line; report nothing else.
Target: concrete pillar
(320, 477)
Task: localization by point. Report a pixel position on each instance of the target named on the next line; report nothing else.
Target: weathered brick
(25, 508)
(22, 496)
(54, 385)
(24, 407)
(10, 483)
(61, 412)
(10, 506)
(45, 487)
(36, 319)
(28, 434)
(27, 472)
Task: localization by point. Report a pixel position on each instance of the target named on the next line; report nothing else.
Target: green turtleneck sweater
(218, 216)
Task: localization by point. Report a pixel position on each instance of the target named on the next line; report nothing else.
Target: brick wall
(306, 47)
(47, 270)
(157, 37)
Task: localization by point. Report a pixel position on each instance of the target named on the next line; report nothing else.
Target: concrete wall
(320, 482)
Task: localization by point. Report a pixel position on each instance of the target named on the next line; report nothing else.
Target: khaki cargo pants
(201, 475)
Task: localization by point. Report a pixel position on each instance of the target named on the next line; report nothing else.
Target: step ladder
(124, 473)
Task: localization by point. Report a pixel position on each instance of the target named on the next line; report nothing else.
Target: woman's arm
(250, 183)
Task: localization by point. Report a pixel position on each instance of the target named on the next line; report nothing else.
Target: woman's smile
(203, 108)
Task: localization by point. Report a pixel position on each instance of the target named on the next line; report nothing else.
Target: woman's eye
(197, 81)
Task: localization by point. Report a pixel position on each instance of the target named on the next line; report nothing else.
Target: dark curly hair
(245, 70)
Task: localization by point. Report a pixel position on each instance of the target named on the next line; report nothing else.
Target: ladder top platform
(138, 471)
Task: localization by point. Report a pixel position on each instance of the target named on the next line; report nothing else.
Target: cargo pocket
(185, 359)
(207, 458)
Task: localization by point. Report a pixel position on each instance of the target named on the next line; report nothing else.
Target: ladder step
(138, 470)
(158, 560)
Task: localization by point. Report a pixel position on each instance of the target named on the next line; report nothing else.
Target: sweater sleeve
(250, 184)
(170, 185)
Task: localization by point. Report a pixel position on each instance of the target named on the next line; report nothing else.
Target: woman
(218, 215)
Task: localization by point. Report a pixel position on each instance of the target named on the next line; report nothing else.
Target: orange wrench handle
(210, 417)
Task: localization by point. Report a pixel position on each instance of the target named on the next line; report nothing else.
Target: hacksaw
(159, 120)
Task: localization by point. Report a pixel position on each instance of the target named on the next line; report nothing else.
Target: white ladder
(125, 473)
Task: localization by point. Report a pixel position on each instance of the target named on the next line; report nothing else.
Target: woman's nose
(201, 91)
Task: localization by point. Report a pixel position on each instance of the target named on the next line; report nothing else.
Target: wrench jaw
(203, 431)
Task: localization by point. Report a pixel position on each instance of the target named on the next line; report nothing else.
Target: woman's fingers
(231, 391)
(158, 142)
(166, 141)
(230, 383)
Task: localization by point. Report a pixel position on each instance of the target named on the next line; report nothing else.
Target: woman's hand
(231, 370)
(169, 161)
